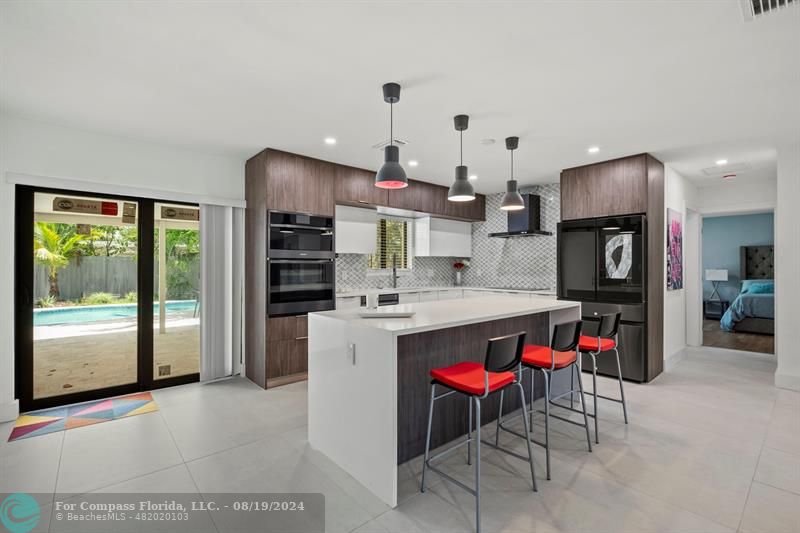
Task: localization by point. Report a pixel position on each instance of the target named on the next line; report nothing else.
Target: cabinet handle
(301, 338)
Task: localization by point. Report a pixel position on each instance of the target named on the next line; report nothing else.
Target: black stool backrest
(566, 336)
(504, 353)
(609, 325)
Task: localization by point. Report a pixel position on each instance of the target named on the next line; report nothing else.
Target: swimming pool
(84, 314)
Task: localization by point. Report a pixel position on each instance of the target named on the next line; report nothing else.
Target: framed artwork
(674, 250)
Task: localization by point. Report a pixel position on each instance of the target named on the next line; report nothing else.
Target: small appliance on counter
(301, 272)
(602, 263)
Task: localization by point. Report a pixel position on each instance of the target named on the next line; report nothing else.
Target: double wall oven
(301, 271)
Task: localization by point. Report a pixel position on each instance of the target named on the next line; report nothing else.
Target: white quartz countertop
(347, 293)
(451, 313)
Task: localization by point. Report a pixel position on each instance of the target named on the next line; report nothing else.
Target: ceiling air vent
(727, 169)
(756, 8)
(381, 145)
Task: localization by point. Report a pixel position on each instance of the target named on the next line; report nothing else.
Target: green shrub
(130, 298)
(99, 298)
(49, 301)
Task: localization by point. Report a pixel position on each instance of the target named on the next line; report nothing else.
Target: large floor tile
(783, 432)
(30, 465)
(779, 469)
(105, 454)
(274, 466)
(771, 510)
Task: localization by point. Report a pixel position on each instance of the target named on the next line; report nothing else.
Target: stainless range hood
(525, 222)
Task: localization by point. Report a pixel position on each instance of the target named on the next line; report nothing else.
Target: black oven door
(622, 259)
(577, 261)
(294, 235)
(298, 286)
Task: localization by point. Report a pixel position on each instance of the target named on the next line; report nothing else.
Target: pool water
(85, 314)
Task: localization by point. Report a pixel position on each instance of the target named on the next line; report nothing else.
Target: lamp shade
(391, 175)
(512, 200)
(716, 274)
(461, 190)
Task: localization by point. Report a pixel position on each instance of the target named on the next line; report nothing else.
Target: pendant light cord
(512, 165)
(461, 144)
(391, 124)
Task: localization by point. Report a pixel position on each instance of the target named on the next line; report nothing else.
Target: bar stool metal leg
(469, 434)
(621, 390)
(527, 431)
(499, 418)
(594, 397)
(428, 440)
(583, 405)
(547, 419)
(477, 465)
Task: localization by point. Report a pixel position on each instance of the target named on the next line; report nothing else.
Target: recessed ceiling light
(487, 142)
(330, 140)
(413, 163)
(721, 162)
(473, 177)
(593, 149)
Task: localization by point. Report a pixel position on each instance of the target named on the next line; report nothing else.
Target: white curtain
(221, 286)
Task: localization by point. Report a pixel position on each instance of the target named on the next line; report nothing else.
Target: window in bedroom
(392, 244)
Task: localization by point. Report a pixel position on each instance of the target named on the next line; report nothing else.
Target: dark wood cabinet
(299, 184)
(287, 347)
(432, 199)
(355, 186)
(617, 187)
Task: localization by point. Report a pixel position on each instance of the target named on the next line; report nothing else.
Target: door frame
(24, 302)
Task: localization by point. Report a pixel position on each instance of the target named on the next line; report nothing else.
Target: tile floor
(712, 446)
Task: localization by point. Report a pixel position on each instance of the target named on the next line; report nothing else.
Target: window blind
(392, 244)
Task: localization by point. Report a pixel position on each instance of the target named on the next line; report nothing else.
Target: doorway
(737, 276)
(107, 295)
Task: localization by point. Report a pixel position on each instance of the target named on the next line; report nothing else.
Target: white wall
(101, 161)
(737, 196)
(787, 268)
(679, 195)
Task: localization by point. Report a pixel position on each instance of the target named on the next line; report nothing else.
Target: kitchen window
(393, 241)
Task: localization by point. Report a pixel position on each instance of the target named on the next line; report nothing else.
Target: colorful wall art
(674, 250)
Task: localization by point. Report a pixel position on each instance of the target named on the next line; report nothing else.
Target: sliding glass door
(107, 295)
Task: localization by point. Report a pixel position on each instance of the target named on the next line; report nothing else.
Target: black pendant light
(391, 175)
(512, 201)
(461, 190)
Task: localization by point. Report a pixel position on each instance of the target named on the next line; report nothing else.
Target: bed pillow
(756, 286)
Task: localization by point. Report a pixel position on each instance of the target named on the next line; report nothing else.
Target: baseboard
(787, 381)
(672, 360)
(9, 411)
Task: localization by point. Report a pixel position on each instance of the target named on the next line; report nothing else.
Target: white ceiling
(690, 82)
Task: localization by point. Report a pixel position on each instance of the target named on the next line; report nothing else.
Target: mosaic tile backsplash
(519, 262)
(522, 262)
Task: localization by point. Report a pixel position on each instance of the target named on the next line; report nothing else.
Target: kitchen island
(368, 383)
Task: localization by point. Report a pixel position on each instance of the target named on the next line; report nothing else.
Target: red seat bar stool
(605, 341)
(477, 381)
(562, 354)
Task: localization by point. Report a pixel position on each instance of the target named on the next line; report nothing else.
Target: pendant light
(391, 175)
(461, 190)
(512, 201)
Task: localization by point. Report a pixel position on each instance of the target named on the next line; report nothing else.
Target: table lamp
(715, 276)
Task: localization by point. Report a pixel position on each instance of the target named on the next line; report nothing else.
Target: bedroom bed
(753, 310)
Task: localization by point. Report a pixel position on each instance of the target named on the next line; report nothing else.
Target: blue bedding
(748, 305)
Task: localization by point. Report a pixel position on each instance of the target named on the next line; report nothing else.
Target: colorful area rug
(47, 421)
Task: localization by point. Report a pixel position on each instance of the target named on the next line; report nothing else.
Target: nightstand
(715, 308)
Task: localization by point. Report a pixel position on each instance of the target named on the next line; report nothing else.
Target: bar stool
(561, 354)
(605, 341)
(477, 381)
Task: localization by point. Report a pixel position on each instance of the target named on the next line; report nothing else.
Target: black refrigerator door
(621, 243)
(631, 352)
(577, 263)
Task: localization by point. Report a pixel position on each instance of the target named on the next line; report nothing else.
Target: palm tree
(53, 249)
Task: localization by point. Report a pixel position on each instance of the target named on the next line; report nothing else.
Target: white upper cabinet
(439, 237)
(355, 230)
